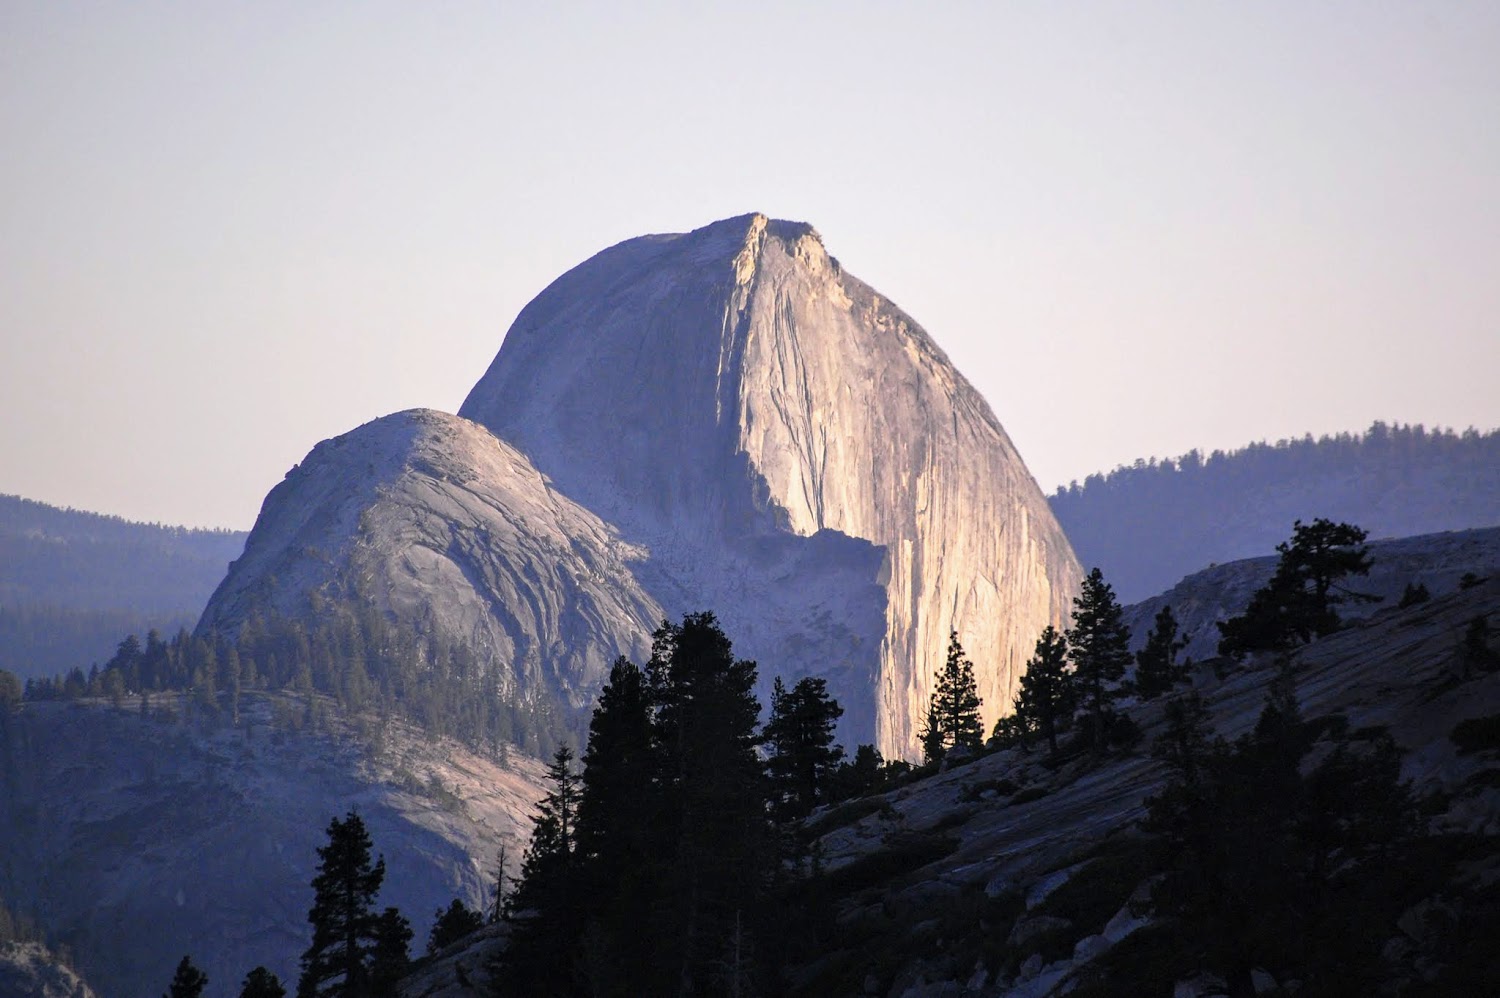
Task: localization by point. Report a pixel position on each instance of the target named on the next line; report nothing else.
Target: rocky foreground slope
(137, 839)
(1009, 875)
(797, 454)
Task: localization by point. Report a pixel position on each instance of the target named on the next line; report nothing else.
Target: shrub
(1477, 734)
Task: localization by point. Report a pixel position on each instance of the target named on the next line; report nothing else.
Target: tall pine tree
(1046, 696)
(953, 709)
(545, 904)
(390, 958)
(1156, 669)
(713, 802)
(188, 982)
(801, 756)
(337, 964)
(671, 852)
(619, 814)
(1101, 650)
(1300, 601)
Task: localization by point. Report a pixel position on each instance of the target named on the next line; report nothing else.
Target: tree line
(353, 655)
(75, 560)
(1151, 523)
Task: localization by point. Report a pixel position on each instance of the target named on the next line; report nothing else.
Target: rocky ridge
(1437, 561)
(447, 529)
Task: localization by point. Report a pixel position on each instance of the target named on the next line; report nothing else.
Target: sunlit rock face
(30, 969)
(434, 521)
(796, 454)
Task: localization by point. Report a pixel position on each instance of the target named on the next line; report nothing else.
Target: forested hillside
(1150, 524)
(73, 583)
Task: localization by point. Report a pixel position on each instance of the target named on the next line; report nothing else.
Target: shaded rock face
(137, 840)
(797, 455)
(432, 519)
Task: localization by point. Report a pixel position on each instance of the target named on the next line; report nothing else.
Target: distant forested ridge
(71, 583)
(1150, 524)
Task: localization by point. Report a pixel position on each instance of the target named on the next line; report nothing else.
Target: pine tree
(188, 982)
(615, 802)
(497, 907)
(671, 852)
(1474, 653)
(801, 754)
(261, 983)
(864, 775)
(1270, 861)
(953, 709)
(1156, 669)
(1046, 695)
(10, 690)
(389, 957)
(932, 736)
(451, 924)
(1014, 728)
(1300, 600)
(713, 798)
(619, 840)
(546, 864)
(342, 916)
(545, 903)
(1101, 649)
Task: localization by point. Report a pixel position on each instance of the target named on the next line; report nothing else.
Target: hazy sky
(228, 231)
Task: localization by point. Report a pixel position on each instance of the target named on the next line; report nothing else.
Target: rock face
(137, 839)
(435, 521)
(797, 455)
(29, 969)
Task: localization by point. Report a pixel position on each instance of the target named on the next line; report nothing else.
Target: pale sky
(228, 231)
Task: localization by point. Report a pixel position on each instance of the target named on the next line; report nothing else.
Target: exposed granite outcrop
(432, 519)
(730, 396)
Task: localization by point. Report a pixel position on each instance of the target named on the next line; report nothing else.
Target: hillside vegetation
(1151, 524)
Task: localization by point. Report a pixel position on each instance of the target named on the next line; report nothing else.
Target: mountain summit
(721, 420)
(796, 453)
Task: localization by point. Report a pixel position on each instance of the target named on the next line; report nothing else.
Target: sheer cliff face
(432, 519)
(717, 392)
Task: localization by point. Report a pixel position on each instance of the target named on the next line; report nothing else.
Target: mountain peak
(717, 391)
